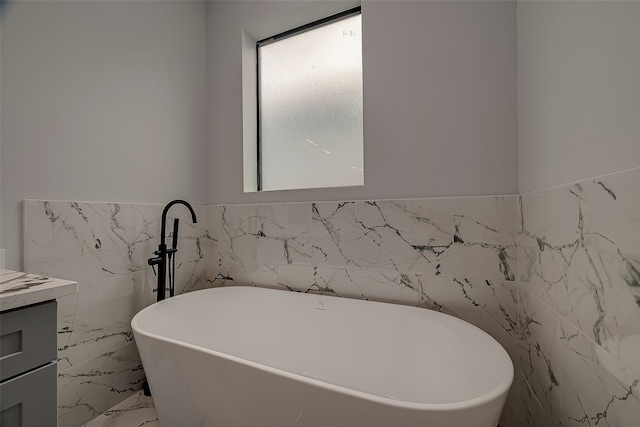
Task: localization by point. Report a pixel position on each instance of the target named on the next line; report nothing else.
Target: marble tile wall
(579, 274)
(456, 255)
(553, 275)
(104, 247)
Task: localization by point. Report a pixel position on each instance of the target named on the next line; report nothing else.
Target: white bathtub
(252, 357)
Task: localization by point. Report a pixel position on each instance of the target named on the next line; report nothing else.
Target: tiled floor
(136, 411)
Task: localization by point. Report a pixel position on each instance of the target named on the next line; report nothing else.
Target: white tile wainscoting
(552, 275)
(579, 275)
(104, 247)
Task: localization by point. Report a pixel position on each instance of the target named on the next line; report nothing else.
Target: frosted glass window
(310, 107)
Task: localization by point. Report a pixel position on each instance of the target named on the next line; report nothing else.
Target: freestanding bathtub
(253, 357)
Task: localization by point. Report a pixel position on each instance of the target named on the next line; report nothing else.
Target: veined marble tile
(229, 276)
(577, 267)
(91, 240)
(351, 283)
(96, 320)
(105, 247)
(350, 234)
(484, 244)
(392, 235)
(233, 239)
(489, 221)
(522, 409)
(596, 388)
(627, 239)
(136, 411)
(403, 236)
(490, 306)
(530, 224)
(542, 265)
(502, 319)
(98, 240)
(87, 390)
(542, 362)
(578, 258)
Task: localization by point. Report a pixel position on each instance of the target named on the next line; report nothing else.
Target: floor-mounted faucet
(164, 255)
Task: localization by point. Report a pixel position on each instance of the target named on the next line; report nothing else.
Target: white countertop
(20, 289)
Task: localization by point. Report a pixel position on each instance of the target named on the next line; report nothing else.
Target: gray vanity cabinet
(28, 367)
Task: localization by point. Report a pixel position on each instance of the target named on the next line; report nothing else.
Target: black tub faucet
(163, 253)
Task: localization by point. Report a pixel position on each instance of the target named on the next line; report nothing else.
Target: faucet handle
(153, 261)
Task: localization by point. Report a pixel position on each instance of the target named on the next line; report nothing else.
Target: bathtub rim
(502, 388)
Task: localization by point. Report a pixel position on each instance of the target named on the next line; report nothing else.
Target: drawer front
(30, 400)
(27, 338)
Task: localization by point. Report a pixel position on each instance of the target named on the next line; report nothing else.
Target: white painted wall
(440, 116)
(578, 90)
(101, 101)
(105, 101)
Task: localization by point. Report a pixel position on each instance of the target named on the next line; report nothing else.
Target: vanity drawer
(30, 400)
(28, 338)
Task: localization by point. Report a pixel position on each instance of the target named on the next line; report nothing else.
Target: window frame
(277, 37)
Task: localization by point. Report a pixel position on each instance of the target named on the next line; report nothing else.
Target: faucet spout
(166, 210)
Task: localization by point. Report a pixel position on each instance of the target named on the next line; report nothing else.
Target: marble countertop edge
(19, 289)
